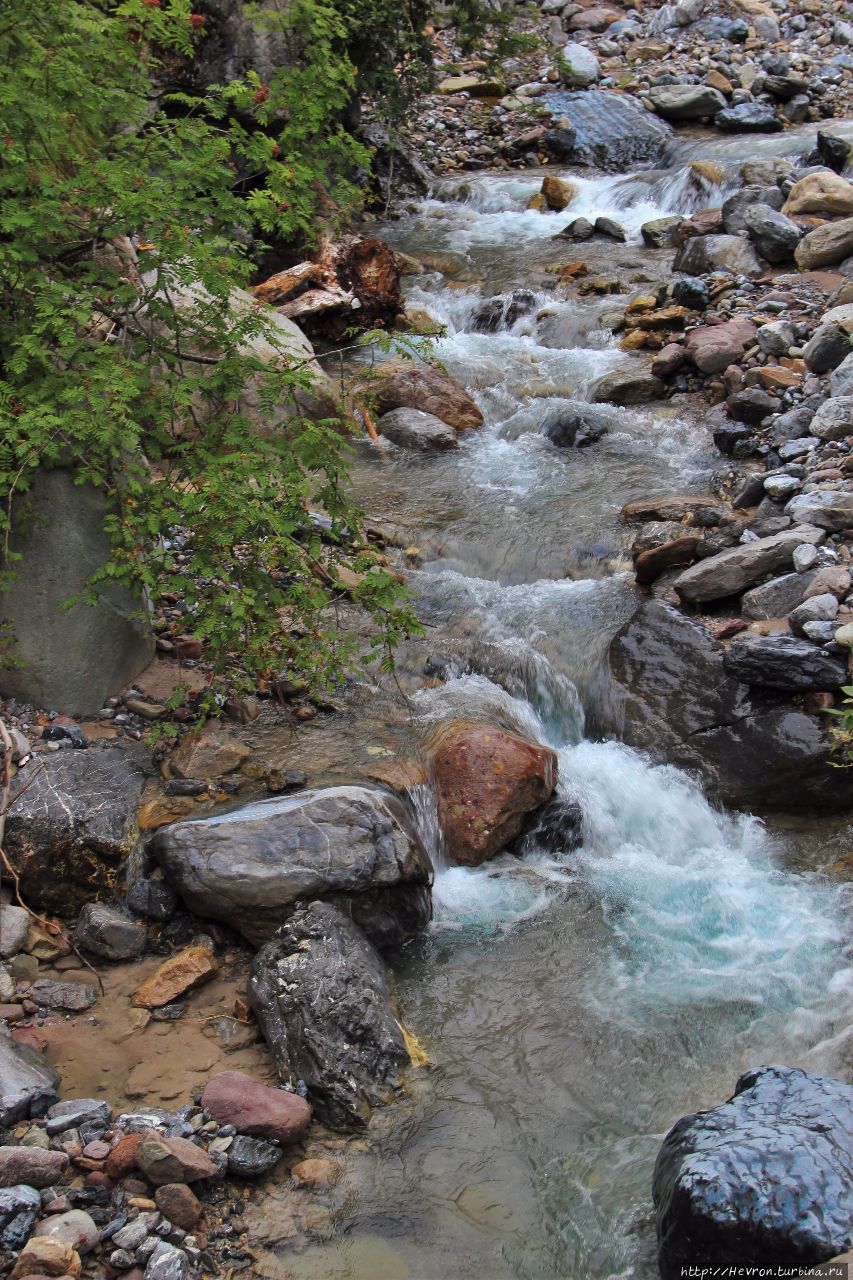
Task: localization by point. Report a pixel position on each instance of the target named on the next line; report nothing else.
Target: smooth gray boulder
(736, 206)
(72, 824)
(764, 1181)
(830, 243)
(611, 130)
(739, 567)
(28, 1084)
(74, 659)
(828, 346)
(635, 384)
(783, 662)
(776, 599)
(353, 846)
(14, 927)
(579, 66)
(841, 381)
(774, 235)
(320, 994)
(109, 933)
(685, 101)
(834, 419)
(830, 509)
(413, 429)
(673, 699)
(701, 255)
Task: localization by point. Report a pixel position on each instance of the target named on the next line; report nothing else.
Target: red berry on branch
(260, 95)
(197, 21)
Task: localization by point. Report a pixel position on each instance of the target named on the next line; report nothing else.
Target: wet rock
(74, 1227)
(316, 1173)
(827, 347)
(106, 932)
(19, 1207)
(503, 311)
(674, 699)
(153, 899)
(179, 1204)
(637, 385)
(165, 1160)
(208, 753)
(691, 292)
(659, 232)
(179, 974)
(578, 229)
(33, 1166)
(252, 1157)
(738, 205)
(73, 996)
(579, 66)
(822, 608)
(765, 171)
(166, 1262)
(42, 1256)
(783, 662)
(14, 927)
(320, 994)
(827, 508)
(669, 507)
(610, 228)
(487, 781)
(833, 151)
(685, 101)
(76, 1112)
(703, 254)
(355, 846)
(27, 1083)
(578, 426)
(751, 406)
(649, 565)
(412, 429)
(826, 245)
(733, 570)
(712, 348)
(668, 360)
(72, 823)
(823, 193)
(748, 117)
(786, 1131)
(774, 236)
(776, 598)
(557, 193)
(402, 384)
(612, 130)
(235, 1098)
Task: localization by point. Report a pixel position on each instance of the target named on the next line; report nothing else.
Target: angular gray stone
(834, 419)
(612, 130)
(701, 255)
(252, 1157)
(27, 1083)
(73, 996)
(320, 994)
(828, 346)
(20, 1205)
(783, 662)
(748, 117)
(776, 338)
(413, 429)
(816, 609)
(76, 1111)
(660, 231)
(780, 488)
(354, 846)
(776, 599)
(841, 381)
(73, 823)
(14, 927)
(74, 658)
(107, 932)
(805, 557)
(827, 508)
(673, 699)
(785, 1131)
(685, 101)
(736, 206)
(167, 1262)
(774, 235)
(739, 567)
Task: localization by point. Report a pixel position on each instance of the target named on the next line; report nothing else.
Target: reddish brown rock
(31, 1165)
(31, 1036)
(208, 753)
(315, 1173)
(594, 19)
(707, 222)
(833, 580)
(178, 1203)
(668, 360)
(233, 1097)
(164, 1160)
(487, 780)
(402, 384)
(671, 507)
(712, 348)
(179, 974)
(122, 1159)
(650, 564)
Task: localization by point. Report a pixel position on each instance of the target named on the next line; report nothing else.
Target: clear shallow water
(573, 1002)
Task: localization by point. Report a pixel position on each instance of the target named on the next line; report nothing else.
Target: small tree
(123, 355)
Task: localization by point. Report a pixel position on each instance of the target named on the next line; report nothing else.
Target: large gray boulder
(830, 243)
(774, 236)
(320, 995)
(701, 255)
(413, 429)
(353, 846)
(827, 508)
(73, 659)
(72, 823)
(765, 1180)
(736, 207)
(611, 130)
(776, 598)
(783, 662)
(731, 571)
(28, 1084)
(686, 101)
(674, 699)
(834, 419)
(841, 381)
(579, 66)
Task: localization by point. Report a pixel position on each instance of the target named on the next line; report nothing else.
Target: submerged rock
(354, 846)
(487, 781)
(766, 1179)
(577, 426)
(320, 995)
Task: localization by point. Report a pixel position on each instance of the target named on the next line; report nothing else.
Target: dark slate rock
(776, 599)
(107, 932)
(765, 1180)
(153, 899)
(826, 348)
(689, 291)
(832, 151)
(320, 995)
(749, 117)
(502, 312)
(27, 1083)
(578, 425)
(674, 699)
(783, 662)
(752, 406)
(735, 208)
(74, 1113)
(252, 1157)
(774, 235)
(354, 846)
(73, 824)
(19, 1208)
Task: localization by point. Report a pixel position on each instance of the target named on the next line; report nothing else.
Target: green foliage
(124, 357)
(841, 736)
